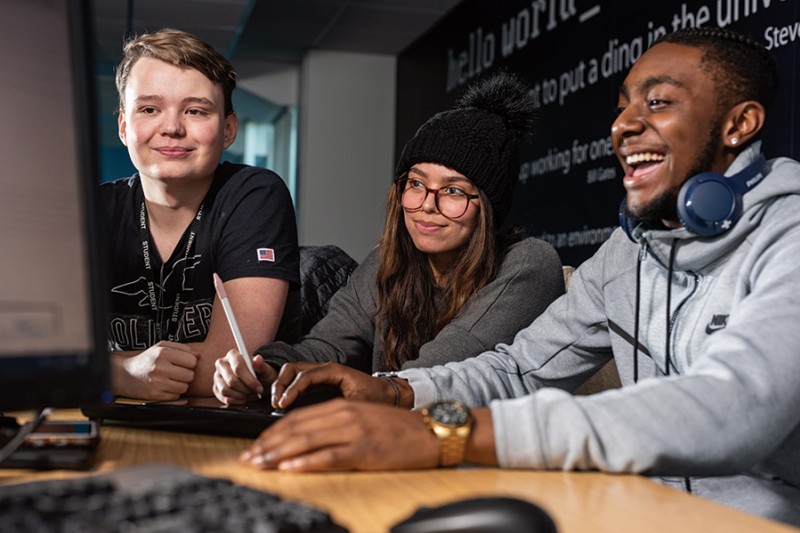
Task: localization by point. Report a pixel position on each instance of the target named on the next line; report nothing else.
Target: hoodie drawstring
(687, 483)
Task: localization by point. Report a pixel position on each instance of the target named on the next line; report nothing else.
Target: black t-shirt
(247, 229)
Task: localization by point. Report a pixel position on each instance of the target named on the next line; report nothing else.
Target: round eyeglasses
(451, 201)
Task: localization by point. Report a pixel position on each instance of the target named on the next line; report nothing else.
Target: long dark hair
(407, 313)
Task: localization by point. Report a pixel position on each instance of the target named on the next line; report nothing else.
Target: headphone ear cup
(708, 204)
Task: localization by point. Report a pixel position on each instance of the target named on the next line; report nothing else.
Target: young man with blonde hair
(184, 216)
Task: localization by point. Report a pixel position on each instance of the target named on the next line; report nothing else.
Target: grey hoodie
(728, 413)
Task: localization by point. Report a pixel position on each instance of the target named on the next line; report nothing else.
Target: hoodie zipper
(639, 260)
(674, 316)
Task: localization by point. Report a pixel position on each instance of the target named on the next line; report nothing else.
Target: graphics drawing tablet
(199, 414)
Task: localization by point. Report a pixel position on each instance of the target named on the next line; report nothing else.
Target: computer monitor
(52, 336)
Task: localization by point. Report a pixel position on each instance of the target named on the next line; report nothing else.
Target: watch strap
(452, 449)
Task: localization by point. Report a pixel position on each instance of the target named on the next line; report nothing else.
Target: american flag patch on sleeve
(266, 254)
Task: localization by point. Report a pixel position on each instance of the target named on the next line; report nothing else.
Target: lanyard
(186, 280)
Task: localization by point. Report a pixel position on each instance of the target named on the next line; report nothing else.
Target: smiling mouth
(427, 226)
(173, 151)
(643, 162)
(636, 160)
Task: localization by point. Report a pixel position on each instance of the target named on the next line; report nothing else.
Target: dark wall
(575, 54)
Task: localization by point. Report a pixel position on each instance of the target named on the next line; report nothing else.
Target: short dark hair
(742, 68)
(181, 49)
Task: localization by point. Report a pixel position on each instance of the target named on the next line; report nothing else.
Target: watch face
(450, 413)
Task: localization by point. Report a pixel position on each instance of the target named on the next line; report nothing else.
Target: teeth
(643, 157)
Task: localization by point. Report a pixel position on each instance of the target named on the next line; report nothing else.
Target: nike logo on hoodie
(717, 323)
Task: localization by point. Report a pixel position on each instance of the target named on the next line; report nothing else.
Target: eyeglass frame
(401, 191)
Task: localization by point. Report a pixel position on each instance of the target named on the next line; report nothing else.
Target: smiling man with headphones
(696, 297)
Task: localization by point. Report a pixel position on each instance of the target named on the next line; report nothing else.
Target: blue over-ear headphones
(709, 203)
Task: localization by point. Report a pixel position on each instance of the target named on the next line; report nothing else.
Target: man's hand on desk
(349, 435)
(342, 434)
(162, 372)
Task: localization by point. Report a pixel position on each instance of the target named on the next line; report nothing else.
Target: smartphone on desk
(57, 444)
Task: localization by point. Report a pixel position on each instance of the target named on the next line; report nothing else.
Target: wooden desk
(372, 502)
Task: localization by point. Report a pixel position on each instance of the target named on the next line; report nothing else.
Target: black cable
(29, 427)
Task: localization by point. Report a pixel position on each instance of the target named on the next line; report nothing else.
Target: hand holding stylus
(237, 334)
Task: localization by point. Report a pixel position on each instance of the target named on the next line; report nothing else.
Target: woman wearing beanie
(445, 283)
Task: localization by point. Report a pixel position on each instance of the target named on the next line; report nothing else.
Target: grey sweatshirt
(528, 280)
(728, 413)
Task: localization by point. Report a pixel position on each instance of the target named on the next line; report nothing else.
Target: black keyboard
(153, 499)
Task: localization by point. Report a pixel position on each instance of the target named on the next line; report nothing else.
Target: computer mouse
(479, 515)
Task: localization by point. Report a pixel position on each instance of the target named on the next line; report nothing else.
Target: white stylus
(237, 335)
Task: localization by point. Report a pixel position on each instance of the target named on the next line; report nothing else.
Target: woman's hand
(294, 378)
(341, 434)
(233, 382)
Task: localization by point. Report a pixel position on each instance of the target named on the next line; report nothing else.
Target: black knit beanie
(479, 138)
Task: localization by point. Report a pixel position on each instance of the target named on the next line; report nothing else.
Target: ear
(121, 125)
(231, 128)
(743, 123)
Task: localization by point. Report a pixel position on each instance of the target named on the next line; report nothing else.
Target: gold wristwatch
(451, 422)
